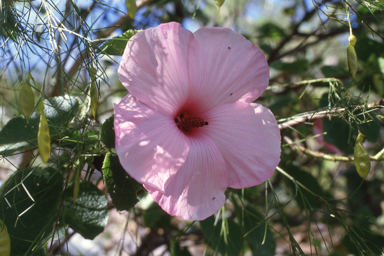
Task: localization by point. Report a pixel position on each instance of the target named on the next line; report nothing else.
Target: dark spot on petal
(206, 123)
(176, 120)
(229, 48)
(214, 198)
(181, 115)
(231, 94)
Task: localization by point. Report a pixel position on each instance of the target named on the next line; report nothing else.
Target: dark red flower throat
(185, 123)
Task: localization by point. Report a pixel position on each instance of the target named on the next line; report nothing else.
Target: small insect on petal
(361, 158)
(43, 138)
(26, 100)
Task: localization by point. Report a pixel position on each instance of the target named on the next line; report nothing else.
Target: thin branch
(322, 114)
(363, 21)
(105, 34)
(324, 156)
(273, 54)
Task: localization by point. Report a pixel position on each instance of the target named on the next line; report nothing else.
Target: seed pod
(131, 7)
(40, 107)
(93, 98)
(352, 60)
(352, 40)
(219, 3)
(43, 138)
(26, 100)
(361, 158)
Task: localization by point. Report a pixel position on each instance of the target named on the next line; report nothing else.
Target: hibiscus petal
(149, 145)
(154, 67)
(248, 138)
(225, 67)
(196, 191)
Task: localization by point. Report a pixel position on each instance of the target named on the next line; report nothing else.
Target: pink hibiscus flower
(188, 129)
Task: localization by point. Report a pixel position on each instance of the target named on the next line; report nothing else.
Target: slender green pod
(361, 158)
(26, 100)
(43, 138)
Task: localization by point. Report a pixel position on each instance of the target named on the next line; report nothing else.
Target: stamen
(185, 123)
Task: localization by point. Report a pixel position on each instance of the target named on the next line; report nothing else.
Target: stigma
(186, 123)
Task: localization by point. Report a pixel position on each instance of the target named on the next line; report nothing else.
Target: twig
(105, 34)
(322, 114)
(363, 21)
(328, 157)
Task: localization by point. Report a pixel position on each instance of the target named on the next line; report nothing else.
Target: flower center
(185, 123)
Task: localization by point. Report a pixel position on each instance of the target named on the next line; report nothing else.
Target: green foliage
(68, 47)
(116, 45)
(155, 217)
(272, 31)
(89, 214)
(18, 134)
(303, 198)
(224, 237)
(334, 71)
(29, 204)
(107, 133)
(121, 187)
(298, 66)
(259, 235)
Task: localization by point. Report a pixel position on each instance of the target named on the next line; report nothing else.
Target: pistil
(185, 123)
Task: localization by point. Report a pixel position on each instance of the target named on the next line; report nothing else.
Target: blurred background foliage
(81, 202)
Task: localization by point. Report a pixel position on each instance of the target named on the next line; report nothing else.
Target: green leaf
(155, 217)
(255, 238)
(5, 241)
(333, 71)
(365, 47)
(352, 60)
(280, 102)
(304, 198)
(116, 45)
(298, 66)
(380, 61)
(216, 240)
(107, 133)
(121, 187)
(18, 134)
(272, 31)
(131, 7)
(89, 214)
(339, 132)
(177, 251)
(29, 202)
